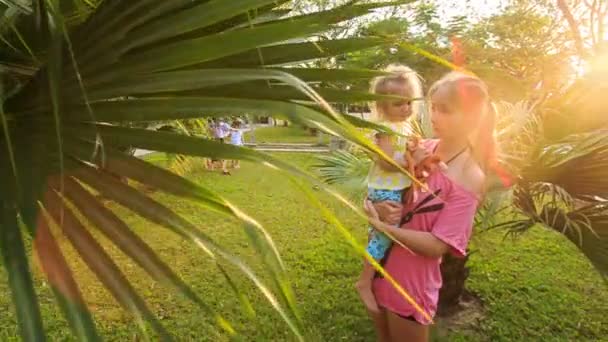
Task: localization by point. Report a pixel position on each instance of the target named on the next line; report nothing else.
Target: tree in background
(424, 32)
(587, 21)
(519, 50)
(514, 50)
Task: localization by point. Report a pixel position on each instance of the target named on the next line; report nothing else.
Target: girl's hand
(416, 150)
(389, 212)
(419, 154)
(412, 144)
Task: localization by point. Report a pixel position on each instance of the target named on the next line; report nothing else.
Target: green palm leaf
(119, 233)
(577, 163)
(290, 53)
(102, 265)
(586, 227)
(560, 173)
(19, 277)
(345, 169)
(72, 67)
(61, 280)
(157, 213)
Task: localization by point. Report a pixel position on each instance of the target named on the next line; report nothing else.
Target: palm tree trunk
(454, 273)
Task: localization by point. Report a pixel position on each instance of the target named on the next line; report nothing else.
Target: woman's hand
(372, 216)
(371, 212)
(389, 212)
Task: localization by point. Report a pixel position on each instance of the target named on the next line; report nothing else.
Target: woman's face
(447, 120)
(397, 110)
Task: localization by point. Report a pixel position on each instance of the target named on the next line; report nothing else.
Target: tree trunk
(578, 40)
(454, 273)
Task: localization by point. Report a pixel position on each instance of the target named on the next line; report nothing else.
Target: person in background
(223, 132)
(236, 138)
(211, 124)
(220, 131)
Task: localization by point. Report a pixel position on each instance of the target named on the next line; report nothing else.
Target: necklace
(454, 156)
(449, 161)
(457, 155)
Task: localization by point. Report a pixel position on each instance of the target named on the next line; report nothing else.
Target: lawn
(537, 288)
(279, 134)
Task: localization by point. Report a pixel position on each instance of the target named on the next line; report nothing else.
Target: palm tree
(558, 151)
(76, 76)
(559, 174)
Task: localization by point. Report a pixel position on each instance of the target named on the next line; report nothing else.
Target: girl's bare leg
(364, 287)
(401, 329)
(224, 164)
(381, 325)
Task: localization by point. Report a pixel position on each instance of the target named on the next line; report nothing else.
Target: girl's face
(397, 110)
(447, 119)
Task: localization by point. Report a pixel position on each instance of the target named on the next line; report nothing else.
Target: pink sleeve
(455, 222)
(429, 144)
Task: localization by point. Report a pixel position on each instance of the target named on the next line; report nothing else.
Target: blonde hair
(396, 73)
(466, 90)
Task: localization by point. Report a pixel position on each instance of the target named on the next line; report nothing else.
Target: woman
(440, 218)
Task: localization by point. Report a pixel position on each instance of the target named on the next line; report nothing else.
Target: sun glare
(599, 63)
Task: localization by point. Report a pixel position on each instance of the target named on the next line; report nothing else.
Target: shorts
(379, 243)
(220, 140)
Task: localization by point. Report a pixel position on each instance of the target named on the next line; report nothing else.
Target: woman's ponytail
(484, 140)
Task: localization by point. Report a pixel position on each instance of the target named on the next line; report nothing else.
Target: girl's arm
(417, 153)
(383, 141)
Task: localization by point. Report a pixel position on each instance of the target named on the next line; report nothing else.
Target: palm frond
(578, 108)
(519, 133)
(345, 169)
(587, 228)
(577, 164)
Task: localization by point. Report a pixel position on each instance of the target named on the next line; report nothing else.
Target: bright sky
(448, 9)
(472, 8)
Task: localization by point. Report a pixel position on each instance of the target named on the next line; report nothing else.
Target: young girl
(440, 220)
(236, 138)
(385, 182)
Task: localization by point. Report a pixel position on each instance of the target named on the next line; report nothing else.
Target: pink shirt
(451, 221)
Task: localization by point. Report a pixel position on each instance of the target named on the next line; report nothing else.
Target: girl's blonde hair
(464, 92)
(396, 73)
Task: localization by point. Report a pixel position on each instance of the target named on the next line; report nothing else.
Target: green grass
(538, 288)
(291, 134)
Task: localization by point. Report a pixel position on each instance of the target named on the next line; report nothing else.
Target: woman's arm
(387, 211)
(421, 243)
(451, 230)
